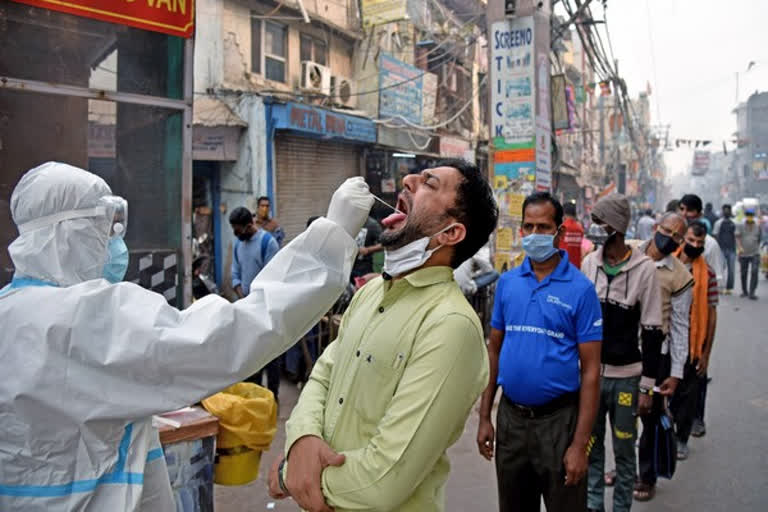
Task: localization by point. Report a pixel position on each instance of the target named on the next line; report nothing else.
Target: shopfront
(108, 97)
(312, 151)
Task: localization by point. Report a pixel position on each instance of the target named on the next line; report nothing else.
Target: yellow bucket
(236, 464)
(248, 421)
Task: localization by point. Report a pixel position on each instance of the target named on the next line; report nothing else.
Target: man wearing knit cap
(630, 296)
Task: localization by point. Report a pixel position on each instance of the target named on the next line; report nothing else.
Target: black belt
(537, 411)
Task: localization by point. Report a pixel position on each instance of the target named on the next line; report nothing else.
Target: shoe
(699, 429)
(682, 451)
(744, 295)
(753, 297)
(728, 292)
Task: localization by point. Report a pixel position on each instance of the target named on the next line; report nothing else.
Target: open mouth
(398, 219)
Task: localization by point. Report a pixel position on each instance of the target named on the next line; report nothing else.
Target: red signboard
(175, 17)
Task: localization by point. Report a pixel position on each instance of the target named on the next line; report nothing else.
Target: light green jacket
(393, 392)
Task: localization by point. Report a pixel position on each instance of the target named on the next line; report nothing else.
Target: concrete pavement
(727, 469)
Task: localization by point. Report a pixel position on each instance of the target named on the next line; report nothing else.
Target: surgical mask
(598, 235)
(117, 261)
(693, 252)
(410, 256)
(539, 247)
(665, 244)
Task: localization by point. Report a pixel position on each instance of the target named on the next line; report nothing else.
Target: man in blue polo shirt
(544, 352)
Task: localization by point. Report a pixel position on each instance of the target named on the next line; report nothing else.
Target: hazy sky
(698, 46)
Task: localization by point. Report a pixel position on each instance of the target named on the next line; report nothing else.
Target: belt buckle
(526, 411)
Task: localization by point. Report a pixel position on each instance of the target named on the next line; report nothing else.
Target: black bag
(665, 451)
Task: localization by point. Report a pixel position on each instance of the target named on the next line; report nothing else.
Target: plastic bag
(248, 422)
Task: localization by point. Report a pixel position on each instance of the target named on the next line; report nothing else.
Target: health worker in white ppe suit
(86, 362)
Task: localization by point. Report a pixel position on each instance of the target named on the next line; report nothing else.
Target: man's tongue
(393, 219)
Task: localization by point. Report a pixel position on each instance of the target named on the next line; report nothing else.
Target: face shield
(116, 209)
(116, 265)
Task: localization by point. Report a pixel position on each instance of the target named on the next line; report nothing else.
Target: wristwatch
(280, 480)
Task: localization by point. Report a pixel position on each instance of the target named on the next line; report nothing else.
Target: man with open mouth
(392, 393)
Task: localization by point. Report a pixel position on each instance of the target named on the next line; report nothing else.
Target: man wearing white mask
(87, 360)
(392, 393)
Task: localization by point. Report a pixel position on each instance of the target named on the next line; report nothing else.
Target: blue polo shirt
(544, 323)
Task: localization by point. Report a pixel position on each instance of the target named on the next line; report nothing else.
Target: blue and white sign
(512, 82)
(318, 121)
(401, 90)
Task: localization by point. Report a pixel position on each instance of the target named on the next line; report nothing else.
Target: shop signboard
(318, 121)
(453, 147)
(700, 162)
(174, 17)
(216, 143)
(400, 90)
(513, 125)
(378, 12)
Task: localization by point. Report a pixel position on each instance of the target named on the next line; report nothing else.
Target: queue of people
(651, 339)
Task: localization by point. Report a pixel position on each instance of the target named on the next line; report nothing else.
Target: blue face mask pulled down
(539, 247)
(117, 263)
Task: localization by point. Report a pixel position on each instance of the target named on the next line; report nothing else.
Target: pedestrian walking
(251, 252)
(725, 233)
(546, 358)
(676, 283)
(263, 220)
(630, 296)
(572, 235)
(645, 225)
(702, 335)
(748, 238)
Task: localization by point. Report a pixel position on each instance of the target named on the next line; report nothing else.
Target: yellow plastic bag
(248, 421)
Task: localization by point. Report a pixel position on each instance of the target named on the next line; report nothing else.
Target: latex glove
(350, 205)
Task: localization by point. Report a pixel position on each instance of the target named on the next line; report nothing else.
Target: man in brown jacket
(630, 296)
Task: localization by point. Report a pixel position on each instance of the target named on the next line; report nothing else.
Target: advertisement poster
(504, 238)
(378, 12)
(516, 206)
(401, 93)
(512, 82)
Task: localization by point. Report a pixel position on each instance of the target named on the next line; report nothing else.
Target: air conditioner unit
(343, 91)
(315, 77)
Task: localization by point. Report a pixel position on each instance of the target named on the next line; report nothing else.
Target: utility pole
(520, 143)
(618, 170)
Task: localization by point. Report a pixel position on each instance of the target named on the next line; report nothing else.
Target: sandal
(610, 478)
(644, 492)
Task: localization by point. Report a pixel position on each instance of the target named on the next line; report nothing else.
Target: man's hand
(485, 438)
(644, 404)
(575, 461)
(307, 459)
(702, 365)
(669, 386)
(274, 483)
